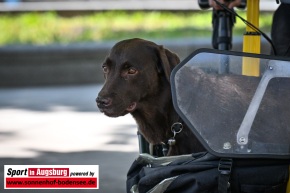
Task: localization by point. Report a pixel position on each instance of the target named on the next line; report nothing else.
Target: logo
(51, 177)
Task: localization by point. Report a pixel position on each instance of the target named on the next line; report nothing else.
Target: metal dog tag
(175, 128)
(171, 141)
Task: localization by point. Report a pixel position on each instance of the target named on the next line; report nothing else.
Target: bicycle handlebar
(223, 23)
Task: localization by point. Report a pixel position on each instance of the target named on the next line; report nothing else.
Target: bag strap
(225, 169)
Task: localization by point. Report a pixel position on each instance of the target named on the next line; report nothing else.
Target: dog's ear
(168, 60)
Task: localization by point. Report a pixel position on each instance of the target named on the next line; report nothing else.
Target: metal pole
(252, 40)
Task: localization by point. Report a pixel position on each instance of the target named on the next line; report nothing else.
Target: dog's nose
(105, 102)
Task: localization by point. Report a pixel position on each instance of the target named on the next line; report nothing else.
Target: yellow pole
(288, 185)
(252, 40)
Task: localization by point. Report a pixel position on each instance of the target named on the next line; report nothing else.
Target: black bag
(205, 173)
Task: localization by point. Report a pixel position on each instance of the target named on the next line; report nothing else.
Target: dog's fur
(137, 76)
(137, 82)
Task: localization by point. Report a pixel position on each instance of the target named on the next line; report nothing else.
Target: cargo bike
(238, 106)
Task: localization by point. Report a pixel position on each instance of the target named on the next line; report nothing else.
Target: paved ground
(61, 125)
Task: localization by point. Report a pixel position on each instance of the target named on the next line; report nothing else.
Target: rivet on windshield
(242, 140)
(227, 145)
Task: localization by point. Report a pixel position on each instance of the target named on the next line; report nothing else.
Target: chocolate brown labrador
(137, 81)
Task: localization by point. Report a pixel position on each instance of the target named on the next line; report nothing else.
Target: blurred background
(50, 74)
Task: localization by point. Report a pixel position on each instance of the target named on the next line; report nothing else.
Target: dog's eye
(105, 69)
(132, 71)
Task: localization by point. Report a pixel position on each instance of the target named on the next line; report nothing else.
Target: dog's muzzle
(103, 102)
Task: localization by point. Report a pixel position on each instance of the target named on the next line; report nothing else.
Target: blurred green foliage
(49, 27)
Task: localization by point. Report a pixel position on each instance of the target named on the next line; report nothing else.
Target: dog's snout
(103, 102)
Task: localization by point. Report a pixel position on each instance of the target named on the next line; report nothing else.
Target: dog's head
(134, 70)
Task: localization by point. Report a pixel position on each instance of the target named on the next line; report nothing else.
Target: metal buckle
(225, 166)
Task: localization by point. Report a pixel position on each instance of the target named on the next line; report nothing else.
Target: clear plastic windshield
(235, 104)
